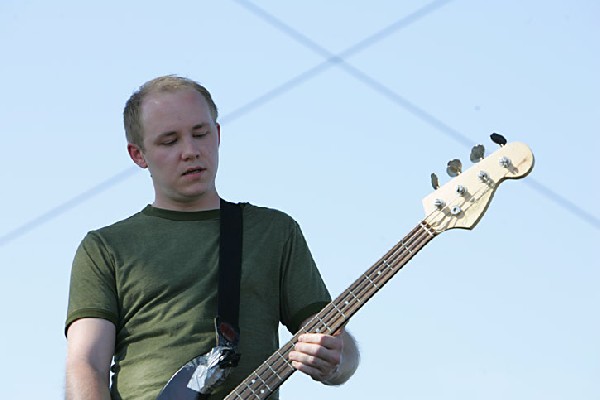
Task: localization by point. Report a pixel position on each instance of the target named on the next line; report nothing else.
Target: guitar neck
(276, 369)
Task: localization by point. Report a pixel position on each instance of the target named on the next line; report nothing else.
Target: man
(143, 290)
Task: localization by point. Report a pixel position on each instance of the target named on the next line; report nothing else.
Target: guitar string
(376, 277)
(250, 382)
(488, 186)
(367, 286)
(385, 272)
(401, 251)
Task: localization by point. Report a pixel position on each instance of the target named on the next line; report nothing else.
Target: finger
(327, 341)
(315, 354)
(324, 361)
(310, 360)
(320, 371)
(313, 372)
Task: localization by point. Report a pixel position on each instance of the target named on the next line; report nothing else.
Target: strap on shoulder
(230, 265)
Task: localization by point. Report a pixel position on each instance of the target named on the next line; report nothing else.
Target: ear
(135, 153)
(218, 133)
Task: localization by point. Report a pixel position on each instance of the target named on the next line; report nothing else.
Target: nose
(190, 149)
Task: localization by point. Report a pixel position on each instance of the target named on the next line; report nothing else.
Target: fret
(252, 390)
(264, 383)
(285, 360)
(406, 247)
(278, 368)
(339, 311)
(275, 372)
(318, 330)
(237, 395)
(427, 229)
(357, 299)
(373, 283)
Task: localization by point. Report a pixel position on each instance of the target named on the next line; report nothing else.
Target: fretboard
(276, 369)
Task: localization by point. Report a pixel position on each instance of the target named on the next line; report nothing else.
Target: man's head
(172, 131)
(132, 114)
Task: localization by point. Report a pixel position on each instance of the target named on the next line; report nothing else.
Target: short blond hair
(134, 131)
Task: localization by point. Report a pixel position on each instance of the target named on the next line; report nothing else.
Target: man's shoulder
(266, 214)
(120, 227)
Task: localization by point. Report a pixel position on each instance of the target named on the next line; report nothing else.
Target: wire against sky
(563, 202)
(357, 47)
(245, 109)
(66, 206)
(382, 89)
(331, 59)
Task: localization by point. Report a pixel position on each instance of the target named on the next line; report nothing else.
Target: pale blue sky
(345, 146)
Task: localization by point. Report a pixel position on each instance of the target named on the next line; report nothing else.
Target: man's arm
(90, 348)
(328, 359)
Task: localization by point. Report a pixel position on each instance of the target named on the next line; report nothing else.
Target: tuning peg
(477, 153)
(434, 181)
(498, 139)
(454, 167)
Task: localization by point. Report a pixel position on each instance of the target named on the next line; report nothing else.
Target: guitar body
(460, 203)
(177, 387)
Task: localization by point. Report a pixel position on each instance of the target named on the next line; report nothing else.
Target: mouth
(196, 170)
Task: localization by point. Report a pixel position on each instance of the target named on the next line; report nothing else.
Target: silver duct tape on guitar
(198, 378)
(211, 369)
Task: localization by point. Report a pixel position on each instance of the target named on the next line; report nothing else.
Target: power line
(563, 202)
(357, 47)
(331, 59)
(382, 89)
(339, 59)
(243, 110)
(66, 206)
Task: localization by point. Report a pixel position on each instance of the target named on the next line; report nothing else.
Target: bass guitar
(460, 203)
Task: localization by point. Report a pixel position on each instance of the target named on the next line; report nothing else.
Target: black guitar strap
(201, 375)
(230, 265)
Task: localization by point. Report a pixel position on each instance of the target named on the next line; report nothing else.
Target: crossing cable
(235, 114)
(340, 62)
(67, 205)
(331, 60)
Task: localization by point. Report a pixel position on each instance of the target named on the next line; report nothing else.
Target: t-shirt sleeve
(92, 290)
(303, 291)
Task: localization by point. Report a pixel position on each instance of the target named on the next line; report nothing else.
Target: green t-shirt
(154, 275)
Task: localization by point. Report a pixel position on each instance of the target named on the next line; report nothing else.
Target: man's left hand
(318, 355)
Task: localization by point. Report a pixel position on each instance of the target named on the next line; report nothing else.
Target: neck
(208, 201)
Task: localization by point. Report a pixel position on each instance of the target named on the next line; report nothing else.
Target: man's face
(181, 150)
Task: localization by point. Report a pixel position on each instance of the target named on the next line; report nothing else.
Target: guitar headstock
(462, 201)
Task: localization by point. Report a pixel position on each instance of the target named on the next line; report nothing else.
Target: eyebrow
(199, 126)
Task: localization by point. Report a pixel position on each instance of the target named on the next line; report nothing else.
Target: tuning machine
(435, 183)
(498, 139)
(454, 168)
(477, 153)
